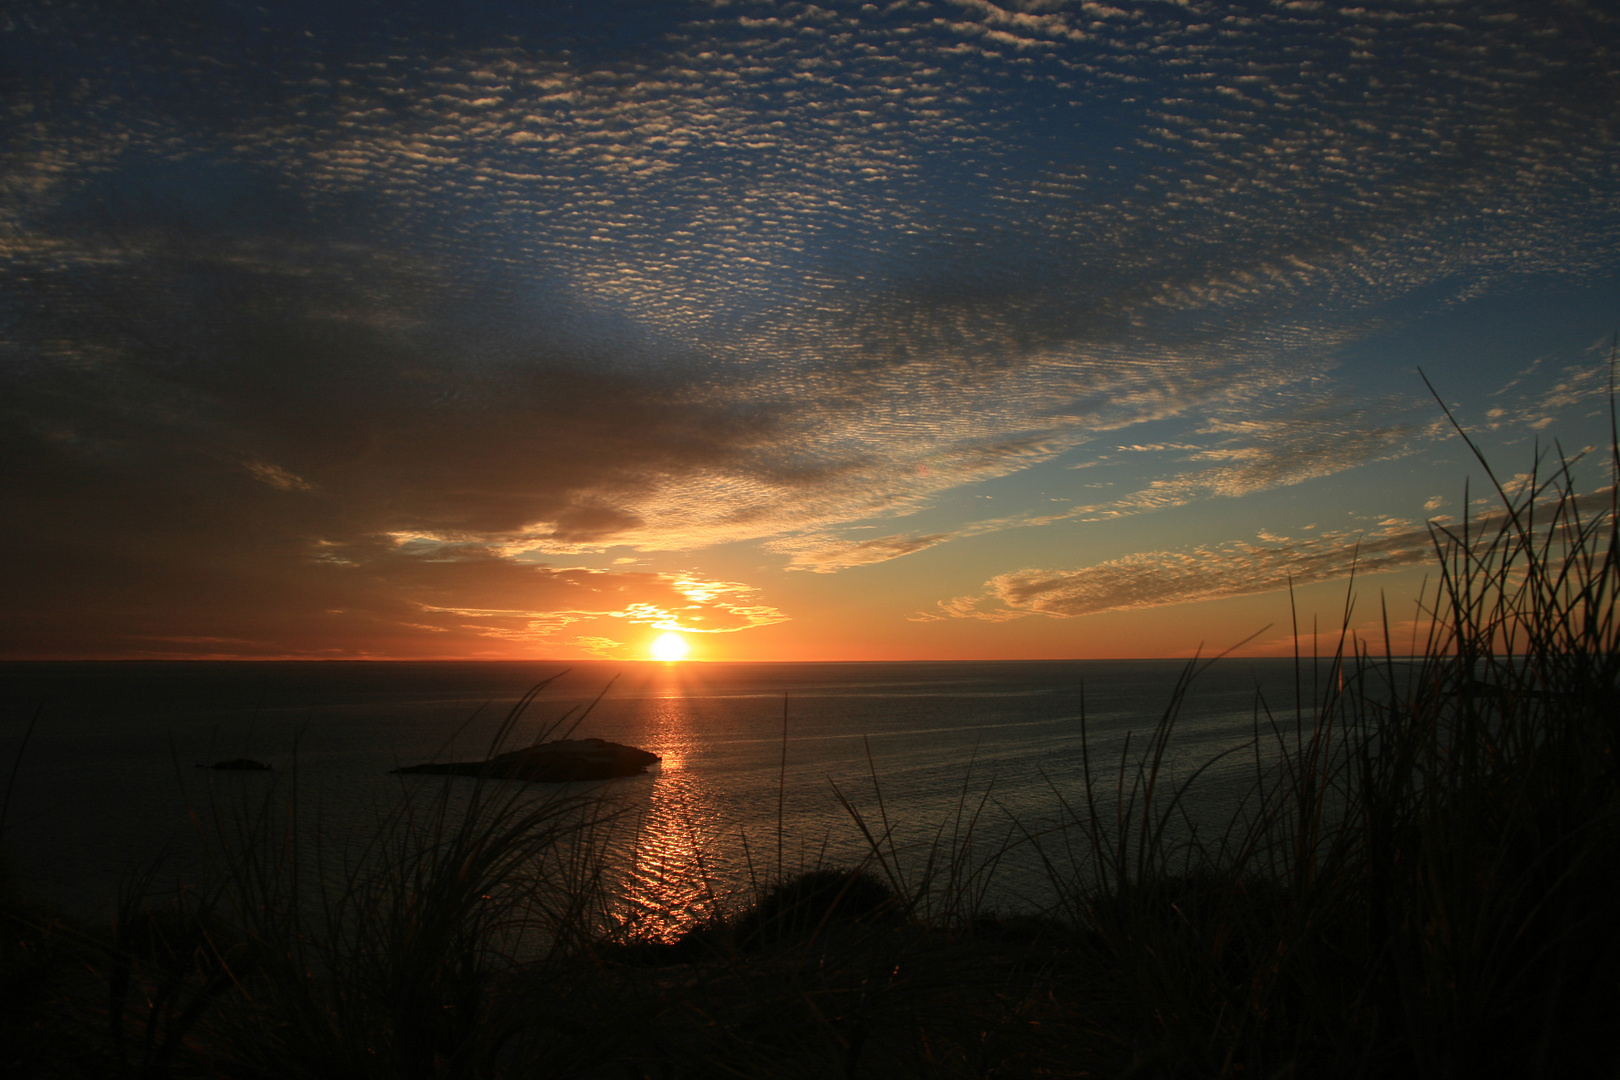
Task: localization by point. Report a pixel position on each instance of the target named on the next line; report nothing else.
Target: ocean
(102, 780)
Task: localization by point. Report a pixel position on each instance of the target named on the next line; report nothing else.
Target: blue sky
(810, 330)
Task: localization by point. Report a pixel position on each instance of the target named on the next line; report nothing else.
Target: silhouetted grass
(1417, 884)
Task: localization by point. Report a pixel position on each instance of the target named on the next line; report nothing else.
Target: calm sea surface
(107, 781)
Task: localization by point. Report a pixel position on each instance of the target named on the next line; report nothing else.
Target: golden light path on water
(678, 833)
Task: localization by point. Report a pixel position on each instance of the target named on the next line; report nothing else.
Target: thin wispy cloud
(1160, 578)
(826, 554)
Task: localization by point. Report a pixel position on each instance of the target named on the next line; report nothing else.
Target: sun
(669, 647)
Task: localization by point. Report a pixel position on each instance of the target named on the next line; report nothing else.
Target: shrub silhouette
(805, 904)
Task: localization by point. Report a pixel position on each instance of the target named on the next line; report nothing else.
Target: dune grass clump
(1420, 881)
(395, 967)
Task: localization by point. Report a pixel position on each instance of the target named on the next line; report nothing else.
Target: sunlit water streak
(107, 781)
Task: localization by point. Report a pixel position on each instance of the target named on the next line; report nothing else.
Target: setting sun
(670, 646)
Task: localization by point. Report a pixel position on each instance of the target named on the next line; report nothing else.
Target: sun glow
(668, 647)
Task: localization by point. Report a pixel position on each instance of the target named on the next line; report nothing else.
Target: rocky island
(559, 762)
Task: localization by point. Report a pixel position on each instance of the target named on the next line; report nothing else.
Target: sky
(935, 329)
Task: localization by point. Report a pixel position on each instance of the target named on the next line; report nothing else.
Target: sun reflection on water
(670, 884)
